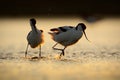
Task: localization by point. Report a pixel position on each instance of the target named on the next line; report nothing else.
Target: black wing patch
(41, 31)
(62, 29)
(71, 27)
(54, 29)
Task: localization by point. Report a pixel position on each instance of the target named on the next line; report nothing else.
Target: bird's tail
(52, 34)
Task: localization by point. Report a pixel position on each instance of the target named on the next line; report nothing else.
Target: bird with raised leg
(67, 35)
(34, 38)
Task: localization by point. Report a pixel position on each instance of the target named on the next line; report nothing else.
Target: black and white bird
(34, 37)
(67, 35)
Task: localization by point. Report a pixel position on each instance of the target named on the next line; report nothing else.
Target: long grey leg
(59, 49)
(63, 53)
(40, 51)
(26, 50)
(56, 48)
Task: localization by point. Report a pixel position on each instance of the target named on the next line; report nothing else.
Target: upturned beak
(86, 36)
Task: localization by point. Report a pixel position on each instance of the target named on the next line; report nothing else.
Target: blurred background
(59, 7)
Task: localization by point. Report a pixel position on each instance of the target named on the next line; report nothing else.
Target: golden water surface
(95, 60)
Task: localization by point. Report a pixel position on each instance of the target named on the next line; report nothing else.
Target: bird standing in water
(67, 35)
(34, 37)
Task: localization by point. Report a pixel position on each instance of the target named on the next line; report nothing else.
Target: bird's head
(82, 26)
(32, 21)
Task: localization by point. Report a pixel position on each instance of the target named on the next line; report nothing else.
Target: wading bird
(34, 37)
(67, 35)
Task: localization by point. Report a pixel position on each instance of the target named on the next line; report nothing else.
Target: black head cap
(82, 25)
(33, 20)
(83, 28)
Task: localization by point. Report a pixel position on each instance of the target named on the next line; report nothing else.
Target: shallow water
(98, 60)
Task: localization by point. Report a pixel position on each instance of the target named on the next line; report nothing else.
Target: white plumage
(67, 35)
(34, 37)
